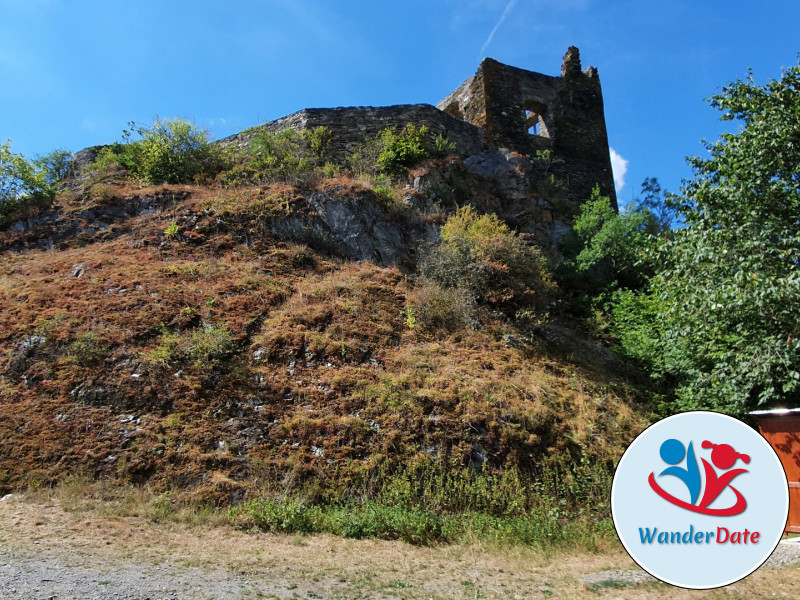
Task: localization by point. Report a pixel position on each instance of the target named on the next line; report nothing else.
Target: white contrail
(503, 17)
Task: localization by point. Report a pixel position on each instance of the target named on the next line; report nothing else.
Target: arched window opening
(535, 123)
(532, 120)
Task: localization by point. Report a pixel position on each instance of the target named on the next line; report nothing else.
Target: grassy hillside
(183, 338)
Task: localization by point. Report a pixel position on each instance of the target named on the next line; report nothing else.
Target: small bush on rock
(393, 152)
(481, 255)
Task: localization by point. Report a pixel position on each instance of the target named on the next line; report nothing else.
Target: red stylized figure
(724, 457)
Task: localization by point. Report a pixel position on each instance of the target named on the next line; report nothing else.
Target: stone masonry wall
(350, 126)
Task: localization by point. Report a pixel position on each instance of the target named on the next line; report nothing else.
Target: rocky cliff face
(348, 222)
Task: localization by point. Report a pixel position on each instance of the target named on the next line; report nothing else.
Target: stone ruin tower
(526, 111)
(498, 107)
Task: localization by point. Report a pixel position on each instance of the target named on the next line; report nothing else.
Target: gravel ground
(27, 577)
(787, 553)
(47, 578)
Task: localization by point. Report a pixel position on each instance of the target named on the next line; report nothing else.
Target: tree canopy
(731, 286)
(22, 182)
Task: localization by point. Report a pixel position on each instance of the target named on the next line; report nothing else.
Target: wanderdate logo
(723, 457)
(700, 500)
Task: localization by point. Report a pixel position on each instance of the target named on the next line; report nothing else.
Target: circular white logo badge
(700, 500)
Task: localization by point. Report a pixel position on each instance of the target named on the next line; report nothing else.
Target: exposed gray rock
(78, 270)
(94, 395)
(357, 229)
(23, 351)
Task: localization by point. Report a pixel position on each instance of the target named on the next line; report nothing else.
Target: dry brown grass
(324, 381)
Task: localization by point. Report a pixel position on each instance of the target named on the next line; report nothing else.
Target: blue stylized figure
(672, 452)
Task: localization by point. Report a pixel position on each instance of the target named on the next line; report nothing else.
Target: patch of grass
(260, 203)
(205, 346)
(379, 521)
(87, 348)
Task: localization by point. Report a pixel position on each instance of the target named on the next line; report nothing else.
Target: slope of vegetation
(155, 334)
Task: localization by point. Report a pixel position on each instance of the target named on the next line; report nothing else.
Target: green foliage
(205, 346)
(87, 348)
(209, 345)
(54, 165)
(403, 150)
(23, 184)
(481, 255)
(168, 349)
(443, 146)
(393, 152)
(168, 151)
(610, 259)
(424, 504)
(287, 155)
(618, 248)
(638, 327)
(107, 160)
(731, 286)
(363, 161)
(385, 192)
(171, 230)
(714, 310)
(546, 160)
(411, 319)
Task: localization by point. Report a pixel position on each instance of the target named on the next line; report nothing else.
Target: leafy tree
(730, 291)
(610, 257)
(22, 183)
(54, 165)
(616, 247)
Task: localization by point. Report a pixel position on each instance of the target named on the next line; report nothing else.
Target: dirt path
(46, 552)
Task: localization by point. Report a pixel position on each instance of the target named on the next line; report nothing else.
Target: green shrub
(401, 151)
(167, 350)
(384, 192)
(171, 230)
(287, 155)
(363, 161)
(205, 347)
(172, 152)
(443, 147)
(54, 165)
(86, 348)
(210, 345)
(168, 151)
(393, 152)
(482, 256)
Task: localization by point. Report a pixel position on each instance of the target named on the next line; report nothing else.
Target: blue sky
(75, 72)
